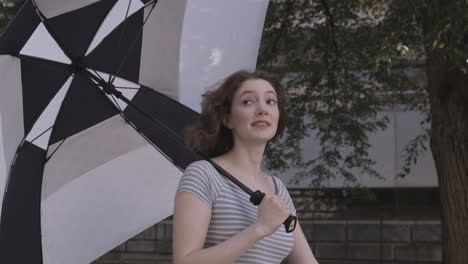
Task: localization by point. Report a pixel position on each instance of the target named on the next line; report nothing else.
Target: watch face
(292, 225)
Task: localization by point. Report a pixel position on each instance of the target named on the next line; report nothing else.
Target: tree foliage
(343, 62)
(8, 9)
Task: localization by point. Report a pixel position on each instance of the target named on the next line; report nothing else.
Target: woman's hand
(272, 213)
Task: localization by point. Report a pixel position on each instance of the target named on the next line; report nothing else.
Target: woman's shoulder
(283, 192)
(198, 180)
(276, 179)
(201, 165)
(201, 168)
(280, 184)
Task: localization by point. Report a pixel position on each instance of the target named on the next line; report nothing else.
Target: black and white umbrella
(90, 155)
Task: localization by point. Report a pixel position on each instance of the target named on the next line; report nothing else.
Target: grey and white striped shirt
(232, 212)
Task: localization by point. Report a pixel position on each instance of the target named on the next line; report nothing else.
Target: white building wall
(386, 149)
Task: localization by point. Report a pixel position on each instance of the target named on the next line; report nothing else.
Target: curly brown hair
(208, 136)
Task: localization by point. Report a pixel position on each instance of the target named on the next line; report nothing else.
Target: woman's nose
(262, 108)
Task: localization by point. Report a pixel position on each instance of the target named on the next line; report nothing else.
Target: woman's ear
(227, 124)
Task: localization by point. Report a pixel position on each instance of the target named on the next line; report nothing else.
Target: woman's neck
(243, 160)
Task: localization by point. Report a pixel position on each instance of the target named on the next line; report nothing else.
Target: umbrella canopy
(81, 171)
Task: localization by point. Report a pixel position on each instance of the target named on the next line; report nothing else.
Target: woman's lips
(261, 123)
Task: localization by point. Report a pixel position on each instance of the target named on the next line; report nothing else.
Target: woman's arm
(191, 220)
(301, 252)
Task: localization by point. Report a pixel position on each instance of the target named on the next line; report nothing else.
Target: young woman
(214, 221)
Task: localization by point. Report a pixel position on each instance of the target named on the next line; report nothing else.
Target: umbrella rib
(150, 3)
(13, 163)
(118, 87)
(168, 131)
(41, 134)
(116, 103)
(125, 23)
(112, 96)
(133, 44)
(130, 88)
(45, 20)
(48, 158)
(175, 137)
(101, 81)
(100, 77)
(33, 60)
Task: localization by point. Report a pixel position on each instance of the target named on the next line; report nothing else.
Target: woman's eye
(246, 102)
(271, 101)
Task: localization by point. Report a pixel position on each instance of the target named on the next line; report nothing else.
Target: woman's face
(254, 112)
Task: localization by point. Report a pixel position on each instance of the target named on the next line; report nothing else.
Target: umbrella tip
(77, 65)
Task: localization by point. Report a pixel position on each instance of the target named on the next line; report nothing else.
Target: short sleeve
(196, 180)
(284, 194)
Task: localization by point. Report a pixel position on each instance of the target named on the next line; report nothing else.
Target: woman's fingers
(272, 212)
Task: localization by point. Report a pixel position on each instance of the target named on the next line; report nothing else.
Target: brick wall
(154, 245)
(375, 241)
(335, 230)
(333, 242)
